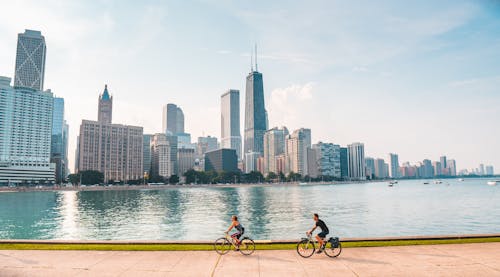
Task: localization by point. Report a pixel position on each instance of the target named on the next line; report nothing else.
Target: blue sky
(421, 78)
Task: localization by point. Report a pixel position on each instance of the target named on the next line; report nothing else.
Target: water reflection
(279, 212)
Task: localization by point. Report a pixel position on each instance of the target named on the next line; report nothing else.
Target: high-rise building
(105, 110)
(489, 170)
(115, 150)
(205, 144)
(185, 159)
(255, 112)
(370, 167)
(230, 121)
(393, 165)
(161, 165)
(481, 169)
(30, 60)
(296, 145)
(251, 161)
(325, 159)
(356, 161)
(184, 141)
(59, 141)
(428, 169)
(274, 145)
(172, 120)
(146, 153)
(452, 167)
(444, 165)
(25, 135)
(380, 169)
(437, 168)
(344, 163)
(221, 160)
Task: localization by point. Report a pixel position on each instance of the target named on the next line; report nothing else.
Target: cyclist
(239, 230)
(321, 235)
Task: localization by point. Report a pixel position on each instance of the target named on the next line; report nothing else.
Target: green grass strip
(204, 247)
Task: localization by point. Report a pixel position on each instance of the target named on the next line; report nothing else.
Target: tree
(271, 176)
(74, 178)
(90, 177)
(191, 176)
(281, 177)
(293, 177)
(174, 179)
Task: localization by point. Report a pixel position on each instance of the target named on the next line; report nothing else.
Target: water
(279, 212)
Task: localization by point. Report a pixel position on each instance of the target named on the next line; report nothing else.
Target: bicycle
(306, 247)
(222, 245)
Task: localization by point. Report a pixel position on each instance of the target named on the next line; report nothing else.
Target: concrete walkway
(479, 259)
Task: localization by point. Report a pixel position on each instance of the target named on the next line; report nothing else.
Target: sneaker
(319, 251)
(237, 249)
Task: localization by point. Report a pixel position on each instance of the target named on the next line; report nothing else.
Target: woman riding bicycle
(239, 229)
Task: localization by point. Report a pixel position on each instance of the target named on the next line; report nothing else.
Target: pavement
(478, 259)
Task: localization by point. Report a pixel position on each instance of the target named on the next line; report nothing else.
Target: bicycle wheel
(333, 251)
(222, 246)
(305, 248)
(247, 246)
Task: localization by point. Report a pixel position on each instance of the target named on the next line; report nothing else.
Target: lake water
(278, 212)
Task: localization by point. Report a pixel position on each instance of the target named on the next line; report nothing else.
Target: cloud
(287, 104)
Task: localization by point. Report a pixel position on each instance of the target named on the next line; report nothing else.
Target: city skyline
(425, 129)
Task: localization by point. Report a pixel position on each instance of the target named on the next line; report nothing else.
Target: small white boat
(393, 182)
(493, 183)
(438, 182)
(461, 179)
(426, 183)
(302, 184)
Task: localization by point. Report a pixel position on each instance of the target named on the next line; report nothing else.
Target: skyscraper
(380, 168)
(230, 121)
(296, 146)
(370, 167)
(344, 163)
(172, 120)
(204, 145)
(274, 145)
(255, 112)
(105, 109)
(30, 60)
(444, 165)
(59, 141)
(25, 135)
(161, 165)
(113, 149)
(393, 165)
(452, 167)
(324, 160)
(356, 161)
(489, 170)
(146, 153)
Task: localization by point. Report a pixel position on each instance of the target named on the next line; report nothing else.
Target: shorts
(236, 235)
(323, 234)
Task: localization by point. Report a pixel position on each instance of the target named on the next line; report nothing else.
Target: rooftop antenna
(256, 67)
(251, 61)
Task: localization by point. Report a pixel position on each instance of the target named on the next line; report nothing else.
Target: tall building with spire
(30, 60)
(105, 113)
(255, 111)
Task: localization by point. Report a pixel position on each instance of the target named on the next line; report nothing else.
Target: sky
(417, 78)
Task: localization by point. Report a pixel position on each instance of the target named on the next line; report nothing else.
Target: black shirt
(321, 224)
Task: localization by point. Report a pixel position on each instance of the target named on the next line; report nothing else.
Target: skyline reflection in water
(277, 212)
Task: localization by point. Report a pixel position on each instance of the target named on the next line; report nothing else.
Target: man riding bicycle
(321, 235)
(239, 230)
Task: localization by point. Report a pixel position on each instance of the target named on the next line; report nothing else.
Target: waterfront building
(281, 164)
(344, 163)
(221, 160)
(173, 142)
(393, 165)
(437, 168)
(274, 145)
(481, 169)
(230, 121)
(255, 112)
(356, 161)
(296, 145)
(105, 109)
(444, 165)
(25, 134)
(428, 169)
(251, 161)
(30, 60)
(186, 160)
(325, 159)
(184, 141)
(115, 150)
(370, 167)
(146, 154)
(161, 165)
(59, 141)
(172, 119)
(206, 144)
(452, 167)
(489, 170)
(380, 169)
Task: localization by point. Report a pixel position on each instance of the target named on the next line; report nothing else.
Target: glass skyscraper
(230, 121)
(59, 142)
(255, 113)
(30, 60)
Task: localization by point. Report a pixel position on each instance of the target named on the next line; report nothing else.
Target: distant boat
(493, 183)
(302, 184)
(460, 179)
(391, 185)
(438, 182)
(426, 183)
(393, 182)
